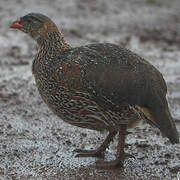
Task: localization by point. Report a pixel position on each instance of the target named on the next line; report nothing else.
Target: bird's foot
(89, 153)
(118, 162)
(101, 164)
(99, 152)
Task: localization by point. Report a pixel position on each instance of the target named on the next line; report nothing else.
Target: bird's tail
(166, 124)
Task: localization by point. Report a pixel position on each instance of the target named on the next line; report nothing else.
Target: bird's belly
(77, 108)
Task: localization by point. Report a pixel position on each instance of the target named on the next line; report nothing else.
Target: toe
(109, 164)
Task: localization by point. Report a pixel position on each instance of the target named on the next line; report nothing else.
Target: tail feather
(166, 124)
(162, 119)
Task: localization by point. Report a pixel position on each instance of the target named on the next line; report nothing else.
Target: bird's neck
(53, 42)
(49, 47)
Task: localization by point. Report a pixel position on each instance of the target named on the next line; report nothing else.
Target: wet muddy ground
(34, 143)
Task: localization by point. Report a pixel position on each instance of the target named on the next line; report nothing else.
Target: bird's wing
(116, 75)
(112, 75)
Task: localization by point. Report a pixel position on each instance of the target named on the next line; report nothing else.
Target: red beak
(16, 24)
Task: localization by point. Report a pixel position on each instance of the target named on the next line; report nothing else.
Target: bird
(100, 86)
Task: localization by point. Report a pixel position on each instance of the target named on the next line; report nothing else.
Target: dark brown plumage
(97, 86)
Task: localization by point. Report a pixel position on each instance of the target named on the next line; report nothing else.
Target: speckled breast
(77, 108)
(65, 95)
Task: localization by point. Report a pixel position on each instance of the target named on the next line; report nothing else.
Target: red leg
(120, 156)
(99, 152)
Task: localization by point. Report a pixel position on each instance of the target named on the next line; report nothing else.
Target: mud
(34, 143)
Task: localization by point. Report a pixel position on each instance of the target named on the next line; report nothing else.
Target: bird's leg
(99, 152)
(120, 156)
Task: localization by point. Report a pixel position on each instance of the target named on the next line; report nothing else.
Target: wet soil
(34, 143)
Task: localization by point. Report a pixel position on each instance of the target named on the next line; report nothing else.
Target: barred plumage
(97, 86)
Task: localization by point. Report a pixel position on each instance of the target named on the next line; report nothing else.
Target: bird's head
(35, 24)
